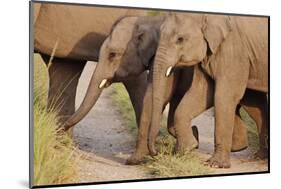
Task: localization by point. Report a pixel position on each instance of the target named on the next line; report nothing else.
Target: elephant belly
(258, 76)
(258, 85)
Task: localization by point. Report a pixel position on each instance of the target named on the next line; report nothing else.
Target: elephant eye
(180, 40)
(111, 55)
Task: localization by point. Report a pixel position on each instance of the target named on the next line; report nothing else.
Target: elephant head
(126, 53)
(185, 40)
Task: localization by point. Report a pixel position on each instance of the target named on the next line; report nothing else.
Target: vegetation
(53, 151)
(169, 164)
(166, 163)
(122, 100)
(252, 130)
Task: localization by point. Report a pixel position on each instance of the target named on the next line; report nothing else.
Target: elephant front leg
(63, 80)
(195, 101)
(171, 129)
(170, 122)
(144, 123)
(226, 100)
(190, 107)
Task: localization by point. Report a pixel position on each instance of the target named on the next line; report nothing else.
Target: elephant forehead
(122, 33)
(181, 23)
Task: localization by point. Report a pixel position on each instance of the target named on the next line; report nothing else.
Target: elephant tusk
(169, 70)
(102, 83)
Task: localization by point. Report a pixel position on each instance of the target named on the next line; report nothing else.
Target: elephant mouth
(105, 83)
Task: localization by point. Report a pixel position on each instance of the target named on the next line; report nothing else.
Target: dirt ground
(105, 142)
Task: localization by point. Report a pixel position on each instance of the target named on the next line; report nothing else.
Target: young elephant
(233, 51)
(125, 55)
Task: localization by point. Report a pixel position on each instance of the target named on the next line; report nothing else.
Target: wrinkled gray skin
(73, 35)
(127, 53)
(233, 51)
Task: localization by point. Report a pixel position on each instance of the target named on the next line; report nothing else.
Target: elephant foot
(218, 161)
(186, 146)
(136, 159)
(261, 154)
(195, 133)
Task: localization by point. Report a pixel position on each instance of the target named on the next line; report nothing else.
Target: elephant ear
(215, 30)
(146, 40)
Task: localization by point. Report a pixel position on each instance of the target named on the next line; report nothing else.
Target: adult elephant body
(67, 36)
(233, 51)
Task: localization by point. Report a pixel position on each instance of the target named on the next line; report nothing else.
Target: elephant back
(74, 31)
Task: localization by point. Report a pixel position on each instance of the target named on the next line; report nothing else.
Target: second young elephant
(231, 50)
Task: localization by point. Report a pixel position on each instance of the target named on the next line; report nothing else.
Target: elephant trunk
(94, 90)
(159, 86)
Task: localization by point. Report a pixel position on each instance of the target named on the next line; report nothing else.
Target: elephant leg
(136, 89)
(173, 99)
(255, 103)
(227, 96)
(141, 147)
(63, 80)
(239, 135)
(173, 105)
(239, 139)
(145, 117)
(194, 102)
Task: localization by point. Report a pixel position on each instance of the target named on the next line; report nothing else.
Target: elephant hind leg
(64, 75)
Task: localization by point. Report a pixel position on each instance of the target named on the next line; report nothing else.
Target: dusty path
(102, 138)
(106, 143)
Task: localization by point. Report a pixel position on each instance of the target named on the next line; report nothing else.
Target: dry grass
(53, 152)
(169, 164)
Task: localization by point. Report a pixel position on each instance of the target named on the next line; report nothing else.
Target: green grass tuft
(253, 137)
(122, 100)
(53, 152)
